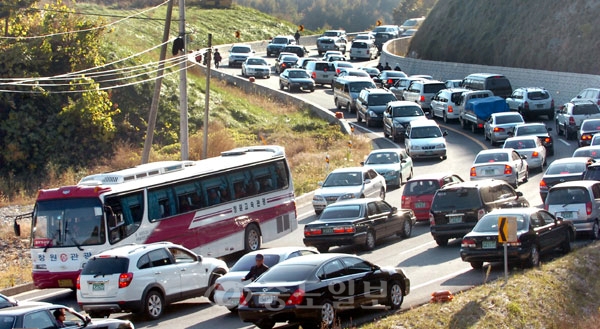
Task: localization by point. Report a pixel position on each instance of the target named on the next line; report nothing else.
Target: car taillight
(498, 129)
(312, 231)
(480, 213)
(552, 104)
(125, 279)
(390, 82)
(588, 208)
(77, 284)
(314, 75)
(571, 121)
(473, 172)
(296, 298)
(450, 109)
(480, 125)
(507, 170)
(283, 65)
(546, 206)
(219, 286)
(535, 154)
(337, 71)
(468, 243)
(547, 140)
(526, 106)
(431, 220)
(243, 301)
(343, 229)
(543, 185)
(586, 137)
(514, 243)
(422, 98)
(405, 201)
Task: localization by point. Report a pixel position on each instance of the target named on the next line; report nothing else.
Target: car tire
(368, 121)
(323, 249)
(154, 305)
(98, 314)
(395, 295)
(349, 107)
(327, 314)
(406, 229)
(476, 265)
(337, 104)
(444, 117)
(442, 242)
(411, 175)
(444, 157)
(463, 125)
(281, 86)
(474, 129)
(210, 293)
(382, 193)
(232, 309)
(358, 117)
(595, 234)
(370, 240)
(252, 238)
(565, 246)
(265, 323)
(385, 134)
(534, 257)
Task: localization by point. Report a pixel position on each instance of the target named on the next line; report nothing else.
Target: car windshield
(280, 40)
(489, 223)
(410, 22)
(407, 111)
(331, 34)
(383, 158)
(538, 95)
(326, 40)
(565, 168)
(586, 109)
(356, 87)
(531, 130)
(298, 74)
(587, 152)
(491, 157)
(591, 125)
(421, 187)
(502, 119)
(257, 61)
(341, 212)
(456, 198)
(381, 99)
(425, 132)
(249, 260)
(568, 195)
(287, 273)
(520, 144)
(343, 179)
(240, 49)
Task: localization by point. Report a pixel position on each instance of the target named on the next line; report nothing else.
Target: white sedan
(256, 67)
(228, 288)
(505, 164)
(531, 147)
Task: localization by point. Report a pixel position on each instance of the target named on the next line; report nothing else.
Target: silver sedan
(505, 164)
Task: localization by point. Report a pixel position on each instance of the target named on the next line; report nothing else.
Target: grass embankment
(564, 293)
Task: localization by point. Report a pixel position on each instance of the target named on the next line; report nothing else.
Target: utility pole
(207, 98)
(183, 101)
(157, 87)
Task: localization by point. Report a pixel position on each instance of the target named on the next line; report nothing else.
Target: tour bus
(215, 207)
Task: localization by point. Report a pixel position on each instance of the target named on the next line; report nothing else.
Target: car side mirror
(519, 193)
(199, 258)
(362, 163)
(368, 181)
(320, 183)
(394, 210)
(558, 219)
(511, 134)
(403, 161)
(549, 129)
(445, 133)
(523, 156)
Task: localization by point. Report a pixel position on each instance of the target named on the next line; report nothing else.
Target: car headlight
(318, 198)
(415, 147)
(347, 196)
(372, 114)
(390, 173)
(441, 146)
(398, 125)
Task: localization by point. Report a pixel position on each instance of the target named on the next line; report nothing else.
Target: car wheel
(463, 125)
(327, 314)
(534, 257)
(492, 143)
(411, 174)
(526, 178)
(368, 121)
(557, 127)
(232, 309)
(252, 238)
(153, 305)
(358, 118)
(337, 104)
(477, 265)
(445, 117)
(281, 87)
(515, 184)
(265, 323)
(565, 246)
(323, 249)
(382, 193)
(210, 293)
(442, 242)
(98, 314)
(349, 107)
(474, 128)
(406, 229)
(399, 182)
(395, 296)
(385, 134)
(370, 240)
(444, 157)
(595, 231)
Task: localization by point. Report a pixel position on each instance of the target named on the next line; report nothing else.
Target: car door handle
(157, 272)
(183, 270)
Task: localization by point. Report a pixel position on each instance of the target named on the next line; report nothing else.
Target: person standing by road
(297, 37)
(217, 57)
(387, 67)
(256, 270)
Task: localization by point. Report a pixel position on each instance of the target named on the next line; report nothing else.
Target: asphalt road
(430, 268)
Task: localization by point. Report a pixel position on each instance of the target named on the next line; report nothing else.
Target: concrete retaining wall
(562, 85)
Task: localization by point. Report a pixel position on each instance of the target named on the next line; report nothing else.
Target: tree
(8, 7)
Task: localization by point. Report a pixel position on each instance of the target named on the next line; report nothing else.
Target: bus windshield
(68, 223)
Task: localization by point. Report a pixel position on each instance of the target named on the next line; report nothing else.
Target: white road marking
(448, 276)
(564, 142)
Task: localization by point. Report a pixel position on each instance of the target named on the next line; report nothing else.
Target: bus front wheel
(252, 238)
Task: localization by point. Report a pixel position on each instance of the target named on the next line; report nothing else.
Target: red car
(418, 192)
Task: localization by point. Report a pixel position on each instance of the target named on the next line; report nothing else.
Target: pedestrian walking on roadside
(217, 57)
(297, 37)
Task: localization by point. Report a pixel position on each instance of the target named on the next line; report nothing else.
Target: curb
(17, 289)
(304, 199)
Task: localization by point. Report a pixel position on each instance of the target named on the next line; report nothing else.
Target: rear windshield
(566, 168)
(531, 130)
(520, 144)
(331, 33)
(586, 109)
(501, 119)
(538, 95)
(591, 125)
(7, 321)
(105, 266)
(491, 157)
(421, 187)
(280, 40)
(489, 224)
(240, 49)
(246, 262)
(592, 173)
(456, 198)
(326, 41)
(455, 98)
(322, 66)
(359, 45)
(498, 83)
(288, 273)
(407, 111)
(341, 212)
(381, 99)
(568, 195)
(587, 152)
(432, 88)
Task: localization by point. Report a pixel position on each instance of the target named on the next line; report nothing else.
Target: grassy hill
(550, 35)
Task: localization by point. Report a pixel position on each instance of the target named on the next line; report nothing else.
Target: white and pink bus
(215, 207)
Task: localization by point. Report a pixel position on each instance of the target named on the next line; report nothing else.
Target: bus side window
(161, 203)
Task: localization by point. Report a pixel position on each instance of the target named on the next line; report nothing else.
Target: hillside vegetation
(553, 35)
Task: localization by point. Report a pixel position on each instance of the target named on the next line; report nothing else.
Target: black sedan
(296, 79)
(42, 315)
(387, 78)
(299, 50)
(312, 289)
(285, 63)
(538, 231)
(563, 170)
(358, 222)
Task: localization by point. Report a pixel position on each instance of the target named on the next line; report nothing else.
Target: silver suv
(422, 91)
(531, 101)
(331, 43)
(444, 103)
(144, 278)
(371, 104)
(570, 116)
(579, 202)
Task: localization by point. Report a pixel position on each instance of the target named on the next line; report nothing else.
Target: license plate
(488, 244)
(420, 205)
(539, 106)
(97, 286)
(66, 283)
(325, 76)
(428, 152)
(327, 230)
(489, 171)
(567, 214)
(265, 299)
(455, 219)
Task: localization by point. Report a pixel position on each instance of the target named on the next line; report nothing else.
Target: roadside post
(507, 234)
